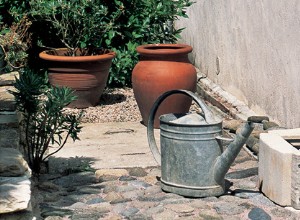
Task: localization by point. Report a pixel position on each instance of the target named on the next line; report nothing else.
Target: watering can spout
(224, 161)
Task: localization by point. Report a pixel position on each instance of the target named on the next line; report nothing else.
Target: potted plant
(81, 64)
(14, 42)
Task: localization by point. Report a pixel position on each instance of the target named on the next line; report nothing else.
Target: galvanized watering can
(192, 159)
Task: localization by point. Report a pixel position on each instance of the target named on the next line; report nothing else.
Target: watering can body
(191, 154)
(188, 153)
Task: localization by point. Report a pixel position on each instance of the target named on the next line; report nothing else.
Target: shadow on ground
(108, 98)
(65, 166)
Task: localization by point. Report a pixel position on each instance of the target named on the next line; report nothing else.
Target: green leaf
(82, 45)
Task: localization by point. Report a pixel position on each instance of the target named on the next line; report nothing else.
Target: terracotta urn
(163, 67)
(86, 75)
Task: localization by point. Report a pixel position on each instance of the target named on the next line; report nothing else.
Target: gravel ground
(116, 105)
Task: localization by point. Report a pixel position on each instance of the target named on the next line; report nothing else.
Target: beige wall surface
(252, 50)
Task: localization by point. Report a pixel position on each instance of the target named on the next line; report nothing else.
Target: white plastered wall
(252, 50)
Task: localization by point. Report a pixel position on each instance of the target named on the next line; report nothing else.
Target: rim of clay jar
(160, 49)
(43, 55)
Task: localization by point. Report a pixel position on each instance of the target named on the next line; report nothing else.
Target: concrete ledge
(222, 99)
(276, 165)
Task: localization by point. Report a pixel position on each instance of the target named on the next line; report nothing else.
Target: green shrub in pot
(14, 43)
(117, 25)
(142, 22)
(78, 24)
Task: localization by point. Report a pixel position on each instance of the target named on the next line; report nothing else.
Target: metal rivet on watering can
(191, 157)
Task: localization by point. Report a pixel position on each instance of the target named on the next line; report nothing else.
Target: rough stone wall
(15, 184)
(252, 50)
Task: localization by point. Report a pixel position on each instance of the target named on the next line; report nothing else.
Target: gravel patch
(115, 105)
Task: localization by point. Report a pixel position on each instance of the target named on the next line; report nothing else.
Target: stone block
(269, 124)
(7, 100)
(232, 124)
(15, 194)
(8, 119)
(8, 78)
(105, 173)
(275, 165)
(296, 181)
(258, 119)
(12, 163)
(287, 134)
(10, 138)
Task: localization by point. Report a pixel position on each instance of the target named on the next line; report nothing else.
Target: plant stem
(62, 145)
(27, 147)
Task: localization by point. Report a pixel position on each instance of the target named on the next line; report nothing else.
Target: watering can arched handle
(207, 114)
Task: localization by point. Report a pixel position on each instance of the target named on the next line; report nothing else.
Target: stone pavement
(111, 174)
(133, 192)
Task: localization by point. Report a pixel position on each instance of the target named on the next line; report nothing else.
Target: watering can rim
(220, 121)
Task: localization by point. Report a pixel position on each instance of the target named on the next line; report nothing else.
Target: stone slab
(111, 145)
(15, 194)
(10, 138)
(296, 181)
(8, 78)
(275, 167)
(7, 100)
(287, 133)
(12, 163)
(9, 119)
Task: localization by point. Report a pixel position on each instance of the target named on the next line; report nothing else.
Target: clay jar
(163, 67)
(86, 75)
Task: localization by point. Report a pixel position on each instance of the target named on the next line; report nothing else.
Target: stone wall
(15, 184)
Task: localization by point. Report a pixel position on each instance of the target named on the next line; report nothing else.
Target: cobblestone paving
(135, 193)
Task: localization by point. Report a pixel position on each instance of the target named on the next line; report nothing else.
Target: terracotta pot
(163, 67)
(87, 75)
